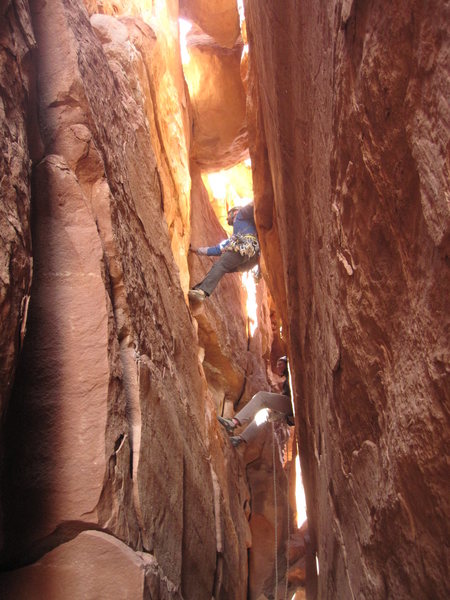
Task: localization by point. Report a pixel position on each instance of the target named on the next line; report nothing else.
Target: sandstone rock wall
(232, 358)
(110, 443)
(217, 18)
(349, 139)
(271, 480)
(213, 74)
(16, 119)
(145, 58)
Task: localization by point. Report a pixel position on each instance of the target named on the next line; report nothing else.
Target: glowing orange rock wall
(217, 18)
(213, 75)
(145, 58)
(231, 355)
(110, 444)
(349, 141)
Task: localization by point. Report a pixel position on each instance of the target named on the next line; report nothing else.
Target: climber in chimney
(238, 253)
(279, 404)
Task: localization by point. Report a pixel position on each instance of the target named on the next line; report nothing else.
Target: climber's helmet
(282, 365)
(231, 215)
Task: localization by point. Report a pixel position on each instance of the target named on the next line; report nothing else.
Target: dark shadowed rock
(349, 139)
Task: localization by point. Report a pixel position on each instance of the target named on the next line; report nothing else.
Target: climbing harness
(246, 244)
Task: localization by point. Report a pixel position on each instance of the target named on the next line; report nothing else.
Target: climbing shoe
(236, 440)
(198, 295)
(229, 424)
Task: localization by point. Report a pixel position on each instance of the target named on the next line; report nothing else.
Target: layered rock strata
(349, 143)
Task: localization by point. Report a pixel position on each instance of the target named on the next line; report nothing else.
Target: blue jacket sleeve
(217, 250)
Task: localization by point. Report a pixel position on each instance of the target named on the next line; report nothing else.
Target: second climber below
(278, 403)
(238, 253)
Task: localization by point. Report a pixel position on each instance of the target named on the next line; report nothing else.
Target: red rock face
(217, 18)
(232, 363)
(115, 570)
(213, 74)
(350, 155)
(16, 145)
(151, 77)
(110, 425)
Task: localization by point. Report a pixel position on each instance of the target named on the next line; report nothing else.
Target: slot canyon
(129, 128)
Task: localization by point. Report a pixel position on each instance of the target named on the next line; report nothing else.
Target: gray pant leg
(260, 400)
(229, 262)
(249, 264)
(250, 432)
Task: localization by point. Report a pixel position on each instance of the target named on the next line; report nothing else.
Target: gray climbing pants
(276, 402)
(229, 262)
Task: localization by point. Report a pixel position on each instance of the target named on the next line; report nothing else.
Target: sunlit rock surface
(223, 331)
(217, 18)
(229, 187)
(349, 139)
(118, 8)
(219, 137)
(145, 58)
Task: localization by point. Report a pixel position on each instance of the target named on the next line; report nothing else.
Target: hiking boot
(236, 440)
(198, 295)
(229, 424)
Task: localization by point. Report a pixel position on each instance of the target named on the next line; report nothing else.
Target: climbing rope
(276, 509)
(288, 534)
(275, 441)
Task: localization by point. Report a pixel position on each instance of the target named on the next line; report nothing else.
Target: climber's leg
(249, 263)
(229, 262)
(260, 400)
(250, 432)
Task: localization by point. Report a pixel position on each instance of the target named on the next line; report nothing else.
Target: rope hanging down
(276, 509)
(288, 536)
(275, 501)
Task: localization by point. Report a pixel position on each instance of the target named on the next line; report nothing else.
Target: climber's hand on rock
(202, 250)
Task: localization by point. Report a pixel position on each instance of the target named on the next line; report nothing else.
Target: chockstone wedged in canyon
(117, 481)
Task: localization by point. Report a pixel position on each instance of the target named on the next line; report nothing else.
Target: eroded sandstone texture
(213, 75)
(350, 133)
(217, 18)
(16, 118)
(145, 58)
(110, 424)
(116, 480)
